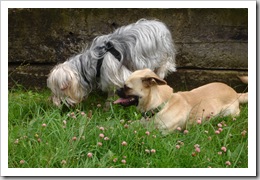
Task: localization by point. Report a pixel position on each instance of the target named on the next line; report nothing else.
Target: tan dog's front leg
(152, 123)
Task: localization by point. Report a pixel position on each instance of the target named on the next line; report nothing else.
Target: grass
(43, 136)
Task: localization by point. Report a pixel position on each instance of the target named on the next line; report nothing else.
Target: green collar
(152, 112)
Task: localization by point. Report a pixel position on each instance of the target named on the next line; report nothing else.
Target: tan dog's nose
(121, 93)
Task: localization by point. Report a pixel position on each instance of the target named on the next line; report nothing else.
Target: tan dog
(168, 110)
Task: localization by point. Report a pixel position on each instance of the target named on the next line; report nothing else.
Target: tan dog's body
(177, 109)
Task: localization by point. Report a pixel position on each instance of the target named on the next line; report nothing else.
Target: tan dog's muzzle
(124, 99)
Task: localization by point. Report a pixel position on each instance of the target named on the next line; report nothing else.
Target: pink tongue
(121, 100)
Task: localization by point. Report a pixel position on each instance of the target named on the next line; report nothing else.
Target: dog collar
(109, 47)
(151, 113)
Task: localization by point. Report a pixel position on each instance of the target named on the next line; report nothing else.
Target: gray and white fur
(144, 44)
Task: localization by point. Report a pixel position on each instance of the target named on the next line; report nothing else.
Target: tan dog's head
(138, 87)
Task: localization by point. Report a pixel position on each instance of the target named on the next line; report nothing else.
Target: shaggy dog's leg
(110, 97)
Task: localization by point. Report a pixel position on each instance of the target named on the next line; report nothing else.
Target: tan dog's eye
(126, 88)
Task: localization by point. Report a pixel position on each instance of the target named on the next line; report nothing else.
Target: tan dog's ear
(151, 81)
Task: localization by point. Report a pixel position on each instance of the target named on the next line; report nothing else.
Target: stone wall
(211, 43)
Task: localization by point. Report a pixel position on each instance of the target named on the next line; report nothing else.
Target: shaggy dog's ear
(65, 80)
(60, 77)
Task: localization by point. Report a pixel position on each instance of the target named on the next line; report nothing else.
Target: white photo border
(250, 171)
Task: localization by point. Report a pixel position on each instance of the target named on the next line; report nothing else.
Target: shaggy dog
(111, 59)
